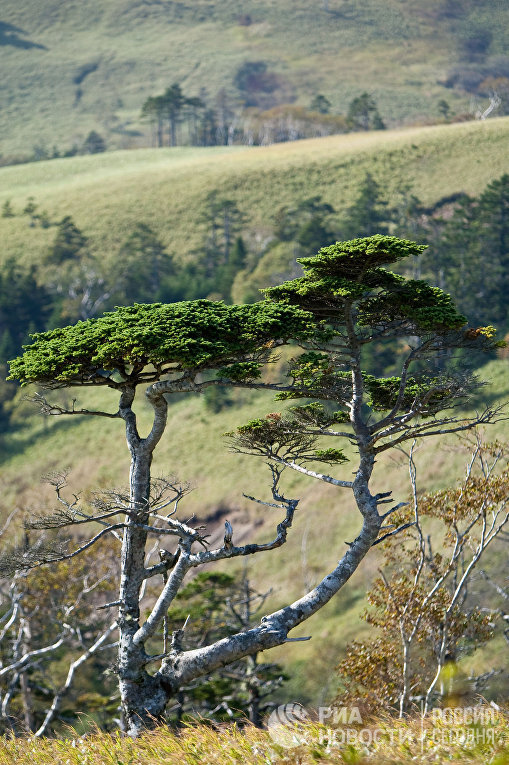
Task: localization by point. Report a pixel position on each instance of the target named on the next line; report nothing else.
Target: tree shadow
(126, 131)
(10, 35)
(27, 436)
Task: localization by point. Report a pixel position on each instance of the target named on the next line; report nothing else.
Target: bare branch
(393, 533)
(8, 521)
(313, 474)
(27, 657)
(46, 552)
(48, 408)
(489, 415)
(57, 700)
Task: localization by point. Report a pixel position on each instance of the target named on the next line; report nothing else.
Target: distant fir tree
(143, 269)
(24, 308)
(94, 143)
(7, 209)
(307, 224)
(70, 243)
(320, 104)
(173, 101)
(493, 219)
(363, 114)
(153, 110)
(369, 214)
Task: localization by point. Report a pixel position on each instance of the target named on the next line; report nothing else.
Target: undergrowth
(381, 742)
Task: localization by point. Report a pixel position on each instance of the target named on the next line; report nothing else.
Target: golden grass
(380, 742)
(108, 194)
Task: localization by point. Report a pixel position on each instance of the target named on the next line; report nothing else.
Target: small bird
(228, 534)
(169, 558)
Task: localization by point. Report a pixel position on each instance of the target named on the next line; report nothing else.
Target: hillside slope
(167, 188)
(68, 68)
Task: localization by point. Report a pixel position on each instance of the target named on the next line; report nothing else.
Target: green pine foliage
(278, 436)
(189, 335)
(363, 114)
(357, 302)
(69, 244)
(352, 271)
(144, 269)
(7, 209)
(369, 214)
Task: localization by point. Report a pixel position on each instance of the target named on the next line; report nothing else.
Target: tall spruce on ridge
(345, 301)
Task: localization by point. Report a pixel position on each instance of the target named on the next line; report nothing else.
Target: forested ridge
(467, 255)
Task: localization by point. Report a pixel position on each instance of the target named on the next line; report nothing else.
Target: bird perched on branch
(228, 534)
(169, 558)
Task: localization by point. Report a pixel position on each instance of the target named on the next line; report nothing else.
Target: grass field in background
(108, 194)
(68, 68)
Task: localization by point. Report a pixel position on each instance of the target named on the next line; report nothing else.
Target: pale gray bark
(144, 696)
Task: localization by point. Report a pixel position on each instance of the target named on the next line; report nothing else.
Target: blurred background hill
(72, 68)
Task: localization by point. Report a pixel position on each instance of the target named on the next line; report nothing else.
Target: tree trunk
(173, 131)
(143, 698)
(24, 682)
(182, 667)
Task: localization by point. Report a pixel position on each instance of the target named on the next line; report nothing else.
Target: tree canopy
(169, 337)
(352, 271)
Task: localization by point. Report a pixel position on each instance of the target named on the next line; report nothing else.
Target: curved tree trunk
(143, 698)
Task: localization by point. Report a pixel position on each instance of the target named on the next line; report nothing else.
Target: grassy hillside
(166, 188)
(71, 67)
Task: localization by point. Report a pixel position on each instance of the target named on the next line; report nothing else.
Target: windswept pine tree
(346, 301)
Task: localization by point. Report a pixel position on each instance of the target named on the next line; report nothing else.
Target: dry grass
(381, 742)
(400, 52)
(166, 188)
